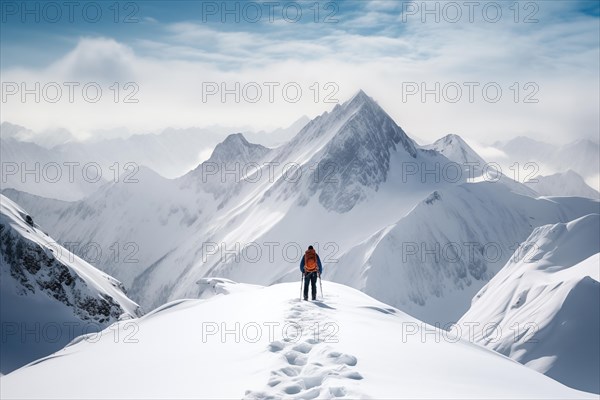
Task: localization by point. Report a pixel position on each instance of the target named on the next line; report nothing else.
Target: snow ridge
(368, 350)
(550, 291)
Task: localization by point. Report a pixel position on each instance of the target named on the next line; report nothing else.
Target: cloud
(95, 59)
(364, 50)
(488, 153)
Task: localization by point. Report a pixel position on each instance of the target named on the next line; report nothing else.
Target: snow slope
(542, 309)
(432, 262)
(568, 183)
(48, 295)
(347, 346)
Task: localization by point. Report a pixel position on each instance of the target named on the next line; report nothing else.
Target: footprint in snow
(340, 358)
(303, 347)
(295, 358)
(276, 346)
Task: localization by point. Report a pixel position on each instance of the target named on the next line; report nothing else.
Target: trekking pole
(321, 285)
(301, 283)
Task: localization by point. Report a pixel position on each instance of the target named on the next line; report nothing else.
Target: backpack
(310, 261)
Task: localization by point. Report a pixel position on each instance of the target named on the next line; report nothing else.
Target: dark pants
(311, 277)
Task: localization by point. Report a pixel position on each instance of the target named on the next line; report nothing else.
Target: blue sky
(27, 42)
(31, 43)
(171, 48)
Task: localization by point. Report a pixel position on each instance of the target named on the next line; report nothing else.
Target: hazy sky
(173, 56)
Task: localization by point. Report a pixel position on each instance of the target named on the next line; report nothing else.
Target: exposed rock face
(35, 270)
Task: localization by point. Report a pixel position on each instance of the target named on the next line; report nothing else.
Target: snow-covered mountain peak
(235, 139)
(450, 138)
(235, 148)
(569, 173)
(344, 154)
(343, 119)
(352, 145)
(456, 149)
(361, 98)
